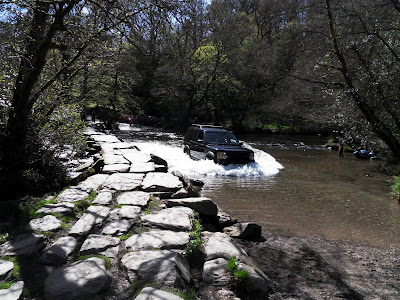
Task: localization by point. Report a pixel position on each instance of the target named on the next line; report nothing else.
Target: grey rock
(176, 218)
(100, 244)
(63, 208)
(72, 194)
(6, 268)
(93, 182)
(220, 245)
(83, 278)
(202, 205)
(258, 281)
(161, 182)
(244, 230)
(129, 212)
(105, 138)
(84, 166)
(94, 215)
(154, 294)
(139, 167)
(104, 197)
(116, 168)
(225, 219)
(136, 198)
(12, 293)
(124, 181)
(47, 223)
(24, 244)
(119, 145)
(58, 253)
(114, 215)
(159, 161)
(135, 156)
(215, 272)
(112, 159)
(117, 227)
(159, 266)
(157, 239)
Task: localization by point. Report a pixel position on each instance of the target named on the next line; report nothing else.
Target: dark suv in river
(217, 144)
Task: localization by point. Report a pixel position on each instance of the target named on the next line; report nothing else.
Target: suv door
(197, 144)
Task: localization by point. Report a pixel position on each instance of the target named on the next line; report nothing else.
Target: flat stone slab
(94, 215)
(136, 198)
(24, 244)
(220, 245)
(58, 253)
(117, 227)
(47, 223)
(100, 244)
(72, 194)
(116, 168)
(6, 268)
(154, 294)
(93, 182)
(215, 272)
(202, 205)
(107, 147)
(135, 156)
(139, 167)
(112, 159)
(104, 197)
(129, 212)
(63, 208)
(161, 182)
(83, 278)
(123, 181)
(12, 293)
(175, 218)
(160, 266)
(157, 239)
(105, 138)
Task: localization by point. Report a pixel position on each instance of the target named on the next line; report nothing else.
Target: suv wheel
(186, 151)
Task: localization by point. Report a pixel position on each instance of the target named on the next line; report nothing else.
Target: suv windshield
(225, 138)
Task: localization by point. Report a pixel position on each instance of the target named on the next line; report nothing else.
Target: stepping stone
(12, 293)
(139, 167)
(6, 268)
(136, 198)
(215, 272)
(162, 266)
(112, 159)
(100, 244)
(114, 215)
(202, 205)
(78, 280)
(107, 147)
(129, 212)
(123, 181)
(135, 156)
(24, 244)
(104, 197)
(93, 182)
(117, 227)
(63, 208)
(157, 239)
(72, 194)
(161, 182)
(176, 218)
(154, 294)
(220, 245)
(58, 253)
(94, 215)
(47, 223)
(116, 168)
(105, 138)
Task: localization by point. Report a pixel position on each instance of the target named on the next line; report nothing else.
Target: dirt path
(314, 268)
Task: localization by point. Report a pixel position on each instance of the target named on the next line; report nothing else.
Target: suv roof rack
(207, 126)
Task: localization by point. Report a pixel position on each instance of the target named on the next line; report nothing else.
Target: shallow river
(295, 188)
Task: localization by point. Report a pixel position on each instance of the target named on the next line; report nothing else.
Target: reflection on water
(315, 193)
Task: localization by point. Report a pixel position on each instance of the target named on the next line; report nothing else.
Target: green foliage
(396, 188)
(126, 236)
(193, 247)
(241, 278)
(188, 294)
(152, 206)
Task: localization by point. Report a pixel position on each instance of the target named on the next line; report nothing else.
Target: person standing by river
(341, 150)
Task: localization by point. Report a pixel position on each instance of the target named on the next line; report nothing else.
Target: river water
(295, 188)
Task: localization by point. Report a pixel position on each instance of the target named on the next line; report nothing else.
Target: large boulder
(58, 253)
(24, 244)
(157, 239)
(135, 156)
(162, 266)
(202, 205)
(258, 281)
(215, 272)
(220, 245)
(83, 278)
(161, 182)
(123, 181)
(175, 218)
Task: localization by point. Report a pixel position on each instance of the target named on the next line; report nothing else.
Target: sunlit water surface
(295, 187)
